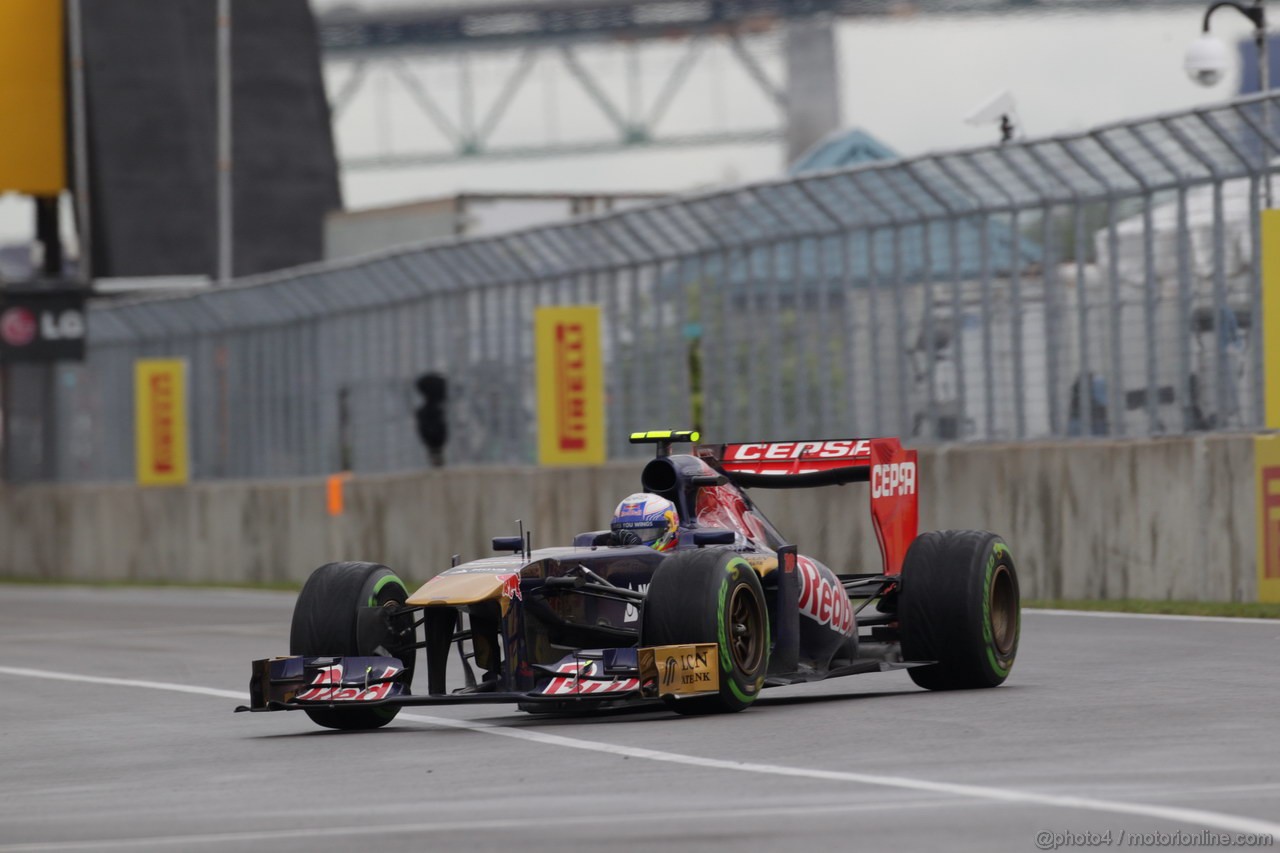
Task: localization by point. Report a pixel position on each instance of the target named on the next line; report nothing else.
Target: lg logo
(64, 326)
(19, 326)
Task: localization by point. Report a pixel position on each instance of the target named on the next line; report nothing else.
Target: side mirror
(713, 536)
(508, 543)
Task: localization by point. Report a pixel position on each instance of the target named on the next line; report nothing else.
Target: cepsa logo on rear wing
(796, 457)
(883, 462)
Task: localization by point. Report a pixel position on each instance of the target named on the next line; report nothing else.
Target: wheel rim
(1003, 607)
(746, 629)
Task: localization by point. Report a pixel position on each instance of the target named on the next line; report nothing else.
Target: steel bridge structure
(422, 61)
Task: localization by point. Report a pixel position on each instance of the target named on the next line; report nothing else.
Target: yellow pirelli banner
(1266, 454)
(1271, 315)
(570, 366)
(32, 124)
(1266, 449)
(160, 418)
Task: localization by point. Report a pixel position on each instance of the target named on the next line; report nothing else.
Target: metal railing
(1097, 283)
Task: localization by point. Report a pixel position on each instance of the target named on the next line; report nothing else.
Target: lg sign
(41, 325)
(19, 326)
(65, 326)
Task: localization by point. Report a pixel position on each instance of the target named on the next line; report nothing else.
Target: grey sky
(909, 81)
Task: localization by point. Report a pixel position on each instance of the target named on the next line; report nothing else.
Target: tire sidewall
(995, 557)
(739, 687)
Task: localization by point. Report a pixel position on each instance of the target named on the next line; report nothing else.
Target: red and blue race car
(732, 609)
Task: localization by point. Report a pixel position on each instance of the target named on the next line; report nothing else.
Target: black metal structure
(150, 71)
(561, 20)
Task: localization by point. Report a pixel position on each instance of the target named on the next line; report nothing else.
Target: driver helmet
(644, 519)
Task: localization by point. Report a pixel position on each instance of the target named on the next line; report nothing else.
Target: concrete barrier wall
(1167, 519)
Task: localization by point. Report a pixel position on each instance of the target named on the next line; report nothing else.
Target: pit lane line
(1195, 817)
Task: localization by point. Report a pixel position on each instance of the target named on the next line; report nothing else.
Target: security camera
(1208, 60)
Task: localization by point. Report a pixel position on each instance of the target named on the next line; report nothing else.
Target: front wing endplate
(685, 670)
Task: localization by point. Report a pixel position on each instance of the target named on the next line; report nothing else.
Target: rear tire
(711, 596)
(324, 624)
(959, 606)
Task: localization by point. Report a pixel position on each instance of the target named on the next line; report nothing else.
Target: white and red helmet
(644, 519)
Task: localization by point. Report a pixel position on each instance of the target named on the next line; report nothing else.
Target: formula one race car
(731, 609)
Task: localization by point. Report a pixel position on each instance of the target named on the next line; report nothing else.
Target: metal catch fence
(1102, 283)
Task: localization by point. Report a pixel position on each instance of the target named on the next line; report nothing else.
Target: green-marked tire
(959, 606)
(711, 596)
(325, 621)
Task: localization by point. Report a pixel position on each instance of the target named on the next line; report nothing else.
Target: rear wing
(798, 464)
(883, 462)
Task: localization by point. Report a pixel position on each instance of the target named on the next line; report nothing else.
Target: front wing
(596, 677)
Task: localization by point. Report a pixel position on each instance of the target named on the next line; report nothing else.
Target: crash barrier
(1162, 519)
(1100, 283)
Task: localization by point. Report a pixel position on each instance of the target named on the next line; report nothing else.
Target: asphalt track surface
(118, 734)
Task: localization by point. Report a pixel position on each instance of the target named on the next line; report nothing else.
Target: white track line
(1195, 817)
(1119, 614)
(125, 682)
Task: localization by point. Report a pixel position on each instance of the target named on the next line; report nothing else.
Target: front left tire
(711, 596)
